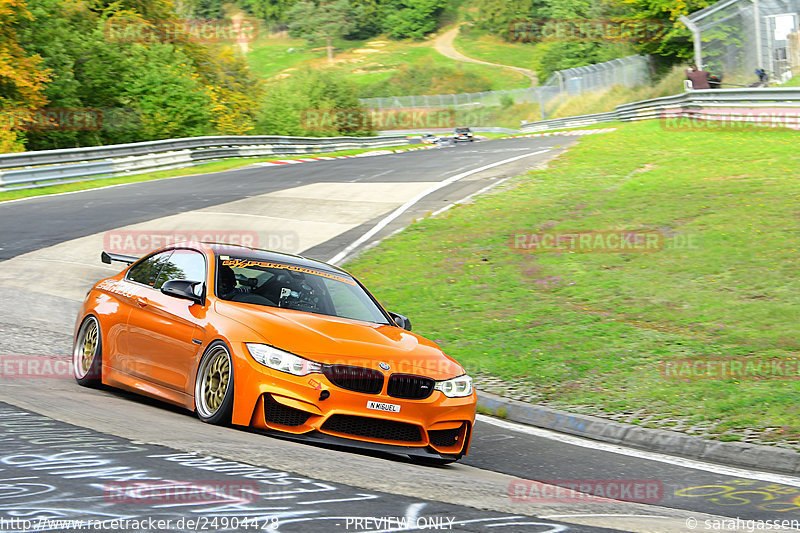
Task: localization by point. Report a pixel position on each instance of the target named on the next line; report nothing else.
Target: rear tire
(87, 354)
(213, 387)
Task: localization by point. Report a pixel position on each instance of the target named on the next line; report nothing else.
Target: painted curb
(561, 132)
(761, 457)
(327, 158)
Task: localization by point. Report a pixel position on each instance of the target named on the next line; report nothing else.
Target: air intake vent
(372, 428)
(444, 438)
(282, 415)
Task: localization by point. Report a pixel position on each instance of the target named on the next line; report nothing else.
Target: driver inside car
(226, 285)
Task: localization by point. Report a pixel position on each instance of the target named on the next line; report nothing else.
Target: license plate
(389, 407)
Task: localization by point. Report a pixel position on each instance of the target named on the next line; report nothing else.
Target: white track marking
(403, 208)
(460, 522)
(244, 215)
(557, 516)
(78, 263)
(642, 454)
(554, 528)
(470, 196)
(412, 513)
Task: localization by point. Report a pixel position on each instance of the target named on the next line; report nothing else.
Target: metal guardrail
(122, 159)
(703, 104)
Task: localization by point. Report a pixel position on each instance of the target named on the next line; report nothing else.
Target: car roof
(258, 254)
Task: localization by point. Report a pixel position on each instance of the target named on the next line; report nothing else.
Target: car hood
(334, 340)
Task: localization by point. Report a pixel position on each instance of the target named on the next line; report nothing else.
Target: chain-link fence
(629, 71)
(733, 38)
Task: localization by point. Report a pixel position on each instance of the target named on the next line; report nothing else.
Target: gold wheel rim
(215, 381)
(89, 346)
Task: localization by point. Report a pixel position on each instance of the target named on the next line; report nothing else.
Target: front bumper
(313, 407)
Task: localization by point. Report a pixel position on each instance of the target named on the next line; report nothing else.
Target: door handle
(141, 301)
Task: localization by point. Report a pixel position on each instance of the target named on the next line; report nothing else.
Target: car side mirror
(401, 321)
(185, 289)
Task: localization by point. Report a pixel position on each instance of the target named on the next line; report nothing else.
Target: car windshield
(288, 286)
(462, 130)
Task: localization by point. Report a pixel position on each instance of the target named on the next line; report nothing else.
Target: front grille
(283, 415)
(410, 387)
(354, 378)
(444, 438)
(373, 428)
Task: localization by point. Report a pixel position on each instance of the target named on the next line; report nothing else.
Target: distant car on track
(430, 138)
(463, 134)
(275, 342)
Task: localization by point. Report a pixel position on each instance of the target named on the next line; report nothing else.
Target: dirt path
(444, 45)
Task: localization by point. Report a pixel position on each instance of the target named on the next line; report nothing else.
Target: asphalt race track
(65, 449)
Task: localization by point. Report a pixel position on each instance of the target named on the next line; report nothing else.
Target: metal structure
(27, 168)
(733, 38)
(712, 107)
(629, 71)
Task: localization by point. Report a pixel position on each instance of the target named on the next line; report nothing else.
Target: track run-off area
(64, 449)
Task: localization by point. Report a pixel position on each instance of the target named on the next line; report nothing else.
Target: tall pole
(698, 45)
(757, 19)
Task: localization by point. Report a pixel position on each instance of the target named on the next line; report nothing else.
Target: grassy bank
(602, 101)
(380, 67)
(597, 329)
(493, 49)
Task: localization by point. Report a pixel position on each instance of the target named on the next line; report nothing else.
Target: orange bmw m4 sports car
(275, 342)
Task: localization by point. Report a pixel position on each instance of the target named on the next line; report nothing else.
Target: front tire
(87, 354)
(213, 388)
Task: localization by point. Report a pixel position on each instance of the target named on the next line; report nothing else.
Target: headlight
(283, 361)
(456, 387)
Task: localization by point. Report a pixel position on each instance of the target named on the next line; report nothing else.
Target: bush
(313, 103)
(413, 19)
(426, 77)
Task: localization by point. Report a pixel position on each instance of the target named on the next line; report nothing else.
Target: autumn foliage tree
(22, 78)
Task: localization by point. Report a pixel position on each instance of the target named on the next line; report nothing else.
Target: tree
(269, 10)
(325, 20)
(22, 77)
(166, 92)
(314, 103)
(414, 18)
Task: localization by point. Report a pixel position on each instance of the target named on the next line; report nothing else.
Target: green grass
(362, 68)
(366, 62)
(593, 329)
(216, 166)
(794, 82)
(493, 49)
(272, 56)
